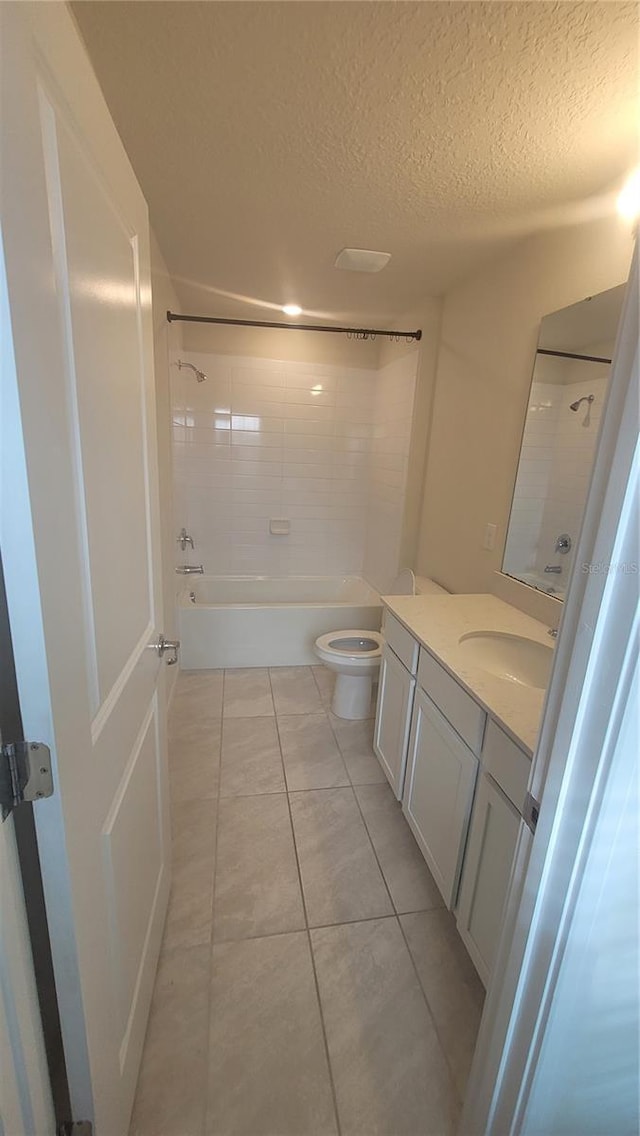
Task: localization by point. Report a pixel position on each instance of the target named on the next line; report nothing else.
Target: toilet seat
(350, 647)
(354, 655)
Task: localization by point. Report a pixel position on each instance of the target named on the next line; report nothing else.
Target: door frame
(40, 964)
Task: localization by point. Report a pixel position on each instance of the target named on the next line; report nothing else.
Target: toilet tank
(407, 583)
(427, 587)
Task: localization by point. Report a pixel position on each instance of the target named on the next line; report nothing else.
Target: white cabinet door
(393, 718)
(441, 774)
(485, 878)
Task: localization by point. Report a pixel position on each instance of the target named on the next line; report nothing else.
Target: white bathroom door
(79, 534)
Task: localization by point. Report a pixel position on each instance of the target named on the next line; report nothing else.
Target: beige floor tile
(311, 757)
(257, 888)
(194, 761)
(294, 690)
(251, 761)
(340, 876)
(197, 697)
(325, 681)
(390, 1074)
(409, 880)
(193, 861)
(247, 693)
(198, 680)
(355, 742)
(268, 1073)
(171, 1093)
(453, 990)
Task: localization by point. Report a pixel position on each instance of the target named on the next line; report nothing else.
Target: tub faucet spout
(190, 569)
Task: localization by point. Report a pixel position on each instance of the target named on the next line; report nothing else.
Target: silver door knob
(167, 645)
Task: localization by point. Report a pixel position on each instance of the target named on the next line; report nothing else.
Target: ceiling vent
(362, 260)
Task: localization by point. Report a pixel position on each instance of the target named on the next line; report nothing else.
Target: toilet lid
(361, 643)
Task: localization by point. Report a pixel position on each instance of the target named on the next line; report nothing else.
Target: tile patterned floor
(311, 982)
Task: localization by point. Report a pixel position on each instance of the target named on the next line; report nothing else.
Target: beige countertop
(438, 622)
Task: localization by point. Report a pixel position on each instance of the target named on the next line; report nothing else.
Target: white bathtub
(268, 621)
(554, 584)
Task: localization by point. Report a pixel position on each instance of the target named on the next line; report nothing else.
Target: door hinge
(531, 811)
(75, 1128)
(25, 774)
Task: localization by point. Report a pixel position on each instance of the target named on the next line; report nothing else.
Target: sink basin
(510, 657)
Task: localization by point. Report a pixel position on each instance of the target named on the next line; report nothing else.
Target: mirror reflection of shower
(200, 375)
(570, 373)
(585, 398)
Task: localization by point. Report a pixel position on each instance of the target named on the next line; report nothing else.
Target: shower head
(585, 398)
(200, 375)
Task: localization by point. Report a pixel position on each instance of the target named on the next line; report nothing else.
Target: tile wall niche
(322, 445)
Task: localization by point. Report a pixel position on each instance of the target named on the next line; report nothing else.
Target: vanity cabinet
(462, 780)
(441, 775)
(393, 718)
(493, 835)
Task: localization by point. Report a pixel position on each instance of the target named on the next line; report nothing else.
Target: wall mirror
(568, 389)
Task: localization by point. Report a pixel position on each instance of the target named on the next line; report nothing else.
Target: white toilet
(355, 655)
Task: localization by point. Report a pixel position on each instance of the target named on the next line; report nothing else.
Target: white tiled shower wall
(555, 466)
(574, 450)
(321, 445)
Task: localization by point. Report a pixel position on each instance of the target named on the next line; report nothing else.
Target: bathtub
(550, 582)
(268, 621)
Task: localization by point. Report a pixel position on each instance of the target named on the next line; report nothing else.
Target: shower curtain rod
(356, 332)
(572, 355)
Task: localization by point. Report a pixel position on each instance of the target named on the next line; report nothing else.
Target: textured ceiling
(266, 136)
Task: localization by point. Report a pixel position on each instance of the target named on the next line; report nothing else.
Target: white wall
(490, 326)
(427, 316)
(388, 466)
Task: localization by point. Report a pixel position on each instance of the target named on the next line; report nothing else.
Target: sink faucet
(190, 569)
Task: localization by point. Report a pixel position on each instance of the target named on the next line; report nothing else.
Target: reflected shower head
(200, 375)
(585, 398)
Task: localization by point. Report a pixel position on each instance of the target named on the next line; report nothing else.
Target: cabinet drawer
(401, 642)
(507, 764)
(458, 707)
